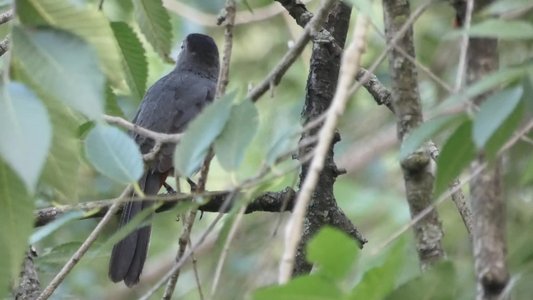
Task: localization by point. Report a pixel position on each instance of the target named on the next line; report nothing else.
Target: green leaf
(133, 57)
(377, 282)
(426, 131)
(456, 154)
(111, 103)
(49, 228)
(277, 140)
(57, 255)
(437, 283)
(62, 167)
(504, 132)
(310, 287)
(333, 251)
(62, 66)
(237, 135)
(527, 177)
(154, 23)
(25, 132)
(200, 134)
(505, 6)
(16, 224)
(493, 113)
(114, 154)
(84, 21)
(487, 83)
(502, 29)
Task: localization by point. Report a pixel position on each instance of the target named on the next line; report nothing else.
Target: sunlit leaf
(333, 251)
(200, 134)
(154, 23)
(16, 224)
(493, 113)
(25, 132)
(134, 60)
(62, 66)
(114, 153)
(311, 287)
(237, 135)
(83, 20)
(426, 131)
(456, 154)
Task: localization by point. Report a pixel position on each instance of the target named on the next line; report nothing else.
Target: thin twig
(348, 70)
(415, 219)
(196, 276)
(225, 250)
(223, 78)
(193, 248)
(156, 136)
(209, 20)
(508, 145)
(274, 77)
(461, 69)
(56, 281)
(418, 64)
(183, 241)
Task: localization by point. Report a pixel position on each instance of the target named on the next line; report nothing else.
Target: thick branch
(4, 46)
(29, 286)
(301, 15)
(268, 202)
(488, 203)
(6, 16)
(290, 57)
(417, 168)
(321, 84)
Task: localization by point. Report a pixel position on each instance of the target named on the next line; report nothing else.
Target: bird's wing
(168, 107)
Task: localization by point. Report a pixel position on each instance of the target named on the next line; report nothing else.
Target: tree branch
(323, 150)
(156, 136)
(29, 286)
(301, 15)
(274, 77)
(267, 202)
(6, 16)
(418, 167)
(488, 202)
(60, 276)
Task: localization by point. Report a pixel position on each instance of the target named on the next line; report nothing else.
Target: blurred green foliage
(73, 59)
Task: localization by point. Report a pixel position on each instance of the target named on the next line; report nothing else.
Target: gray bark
(417, 169)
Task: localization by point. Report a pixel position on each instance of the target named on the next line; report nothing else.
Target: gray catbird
(168, 106)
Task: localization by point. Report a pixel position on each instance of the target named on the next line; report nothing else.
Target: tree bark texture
(321, 85)
(417, 168)
(488, 203)
(29, 286)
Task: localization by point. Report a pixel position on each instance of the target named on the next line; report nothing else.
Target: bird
(168, 106)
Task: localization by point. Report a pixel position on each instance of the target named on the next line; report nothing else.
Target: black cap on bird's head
(199, 53)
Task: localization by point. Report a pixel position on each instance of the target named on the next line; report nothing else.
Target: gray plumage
(168, 107)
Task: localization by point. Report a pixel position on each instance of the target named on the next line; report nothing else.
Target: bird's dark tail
(128, 256)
